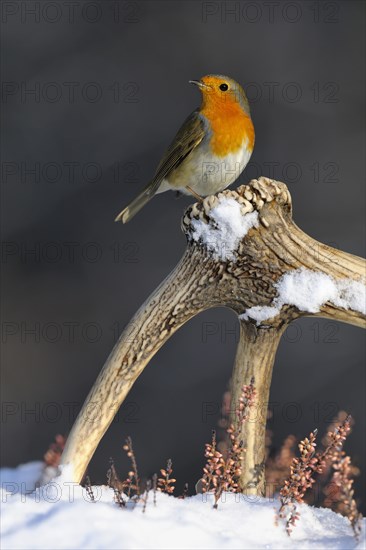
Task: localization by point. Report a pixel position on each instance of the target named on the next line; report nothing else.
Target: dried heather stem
(303, 468)
(155, 485)
(299, 480)
(185, 492)
(116, 484)
(133, 474)
(222, 474)
(89, 489)
(342, 479)
(165, 482)
(146, 496)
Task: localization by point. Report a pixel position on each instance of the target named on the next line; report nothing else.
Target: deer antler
(249, 270)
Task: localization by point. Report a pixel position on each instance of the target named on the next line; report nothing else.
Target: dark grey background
(309, 133)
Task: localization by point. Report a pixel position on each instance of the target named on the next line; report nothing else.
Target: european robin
(211, 148)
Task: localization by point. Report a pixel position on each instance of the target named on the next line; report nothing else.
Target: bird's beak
(200, 84)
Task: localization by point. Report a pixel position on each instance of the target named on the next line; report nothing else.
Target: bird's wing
(187, 138)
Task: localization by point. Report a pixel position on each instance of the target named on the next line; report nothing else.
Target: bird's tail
(135, 206)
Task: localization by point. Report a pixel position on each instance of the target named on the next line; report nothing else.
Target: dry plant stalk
(342, 478)
(336, 493)
(304, 468)
(129, 489)
(165, 482)
(223, 473)
(277, 466)
(89, 489)
(339, 490)
(155, 487)
(145, 498)
(116, 484)
(185, 492)
(132, 483)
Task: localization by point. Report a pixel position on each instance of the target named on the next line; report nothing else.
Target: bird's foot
(196, 195)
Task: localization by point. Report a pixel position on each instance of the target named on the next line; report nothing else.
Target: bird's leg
(196, 195)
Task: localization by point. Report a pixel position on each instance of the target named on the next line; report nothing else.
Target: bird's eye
(223, 87)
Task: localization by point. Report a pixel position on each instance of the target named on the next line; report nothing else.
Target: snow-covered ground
(63, 517)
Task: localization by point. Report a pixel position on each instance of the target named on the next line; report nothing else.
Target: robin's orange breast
(230, 127)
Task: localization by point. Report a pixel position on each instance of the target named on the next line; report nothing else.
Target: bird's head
(221, 92)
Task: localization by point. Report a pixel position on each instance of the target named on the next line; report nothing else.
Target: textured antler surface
(247, 274)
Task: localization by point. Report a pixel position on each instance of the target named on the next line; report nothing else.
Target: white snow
(64, 518)
(308, 290)
(226, 228)
(351, 295)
